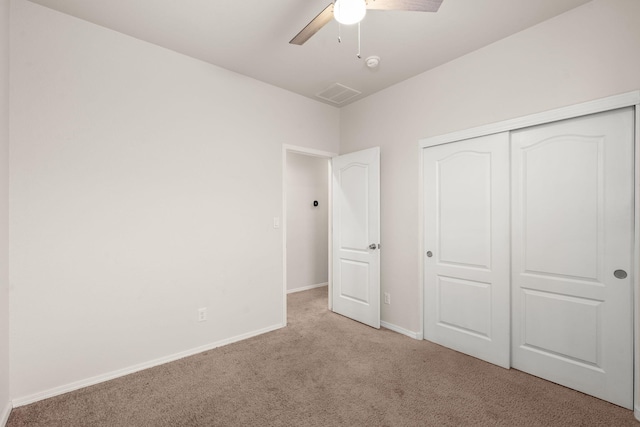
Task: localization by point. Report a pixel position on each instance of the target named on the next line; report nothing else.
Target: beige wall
(4, 209)
(587, 53)
(144, 184)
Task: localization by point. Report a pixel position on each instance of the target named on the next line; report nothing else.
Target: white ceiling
(251, 37)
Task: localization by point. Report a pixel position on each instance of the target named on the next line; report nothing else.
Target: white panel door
(466, 260)
(572, 222)
(356, 236)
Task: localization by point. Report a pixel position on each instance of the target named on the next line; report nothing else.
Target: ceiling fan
(352, 11)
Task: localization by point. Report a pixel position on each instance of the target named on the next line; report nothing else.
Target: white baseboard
(306, 288)
(403, 331)
(636, 412)
(4, 416)
(25, 400)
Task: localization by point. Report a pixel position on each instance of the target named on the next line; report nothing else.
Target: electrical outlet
(202, 314)
(387, 298)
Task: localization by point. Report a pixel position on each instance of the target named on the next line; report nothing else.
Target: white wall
(307, 233)
(587, 53)
(4, 210)
(143, 186)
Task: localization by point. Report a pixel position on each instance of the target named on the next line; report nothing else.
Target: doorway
(306, 220)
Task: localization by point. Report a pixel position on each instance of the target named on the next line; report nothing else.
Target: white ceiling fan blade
(412, 5)
(314, 26)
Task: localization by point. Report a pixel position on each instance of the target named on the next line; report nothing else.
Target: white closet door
(466, 278)
(572, 208)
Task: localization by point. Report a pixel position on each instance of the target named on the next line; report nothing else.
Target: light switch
(276, 222)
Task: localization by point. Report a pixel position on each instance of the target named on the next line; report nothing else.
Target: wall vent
(337, 93)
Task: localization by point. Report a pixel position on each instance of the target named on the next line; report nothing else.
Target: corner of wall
(5, 403)
(4, 415)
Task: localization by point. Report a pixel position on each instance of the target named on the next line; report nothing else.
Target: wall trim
(400, 330)
(591, 107)
(308, 151)
(636, 269)
(307, 288)
(56, 391)
(4, 416)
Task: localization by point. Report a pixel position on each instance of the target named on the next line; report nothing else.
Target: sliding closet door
(572, 213)
(466, 259)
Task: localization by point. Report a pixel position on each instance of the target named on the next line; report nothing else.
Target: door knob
(372, 246)
(429, 254)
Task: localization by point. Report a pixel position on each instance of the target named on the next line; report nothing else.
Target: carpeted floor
(324, 370)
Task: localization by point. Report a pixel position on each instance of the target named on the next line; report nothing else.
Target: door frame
(629, 99)
(286, 148)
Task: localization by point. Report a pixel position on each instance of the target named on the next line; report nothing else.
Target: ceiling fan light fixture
(349, 12)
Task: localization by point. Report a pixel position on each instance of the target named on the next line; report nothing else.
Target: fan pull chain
(359, 41)
(339, 33)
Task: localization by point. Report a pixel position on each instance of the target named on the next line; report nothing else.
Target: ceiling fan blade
(413, 5)
(314, 26)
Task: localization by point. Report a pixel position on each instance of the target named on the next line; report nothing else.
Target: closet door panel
(572, 219)
(466, 256)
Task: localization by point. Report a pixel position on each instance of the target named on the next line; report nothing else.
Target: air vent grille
(337, 93)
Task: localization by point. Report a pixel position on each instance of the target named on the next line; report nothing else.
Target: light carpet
(325, 370)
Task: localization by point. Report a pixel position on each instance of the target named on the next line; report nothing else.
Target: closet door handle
(620, 274)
